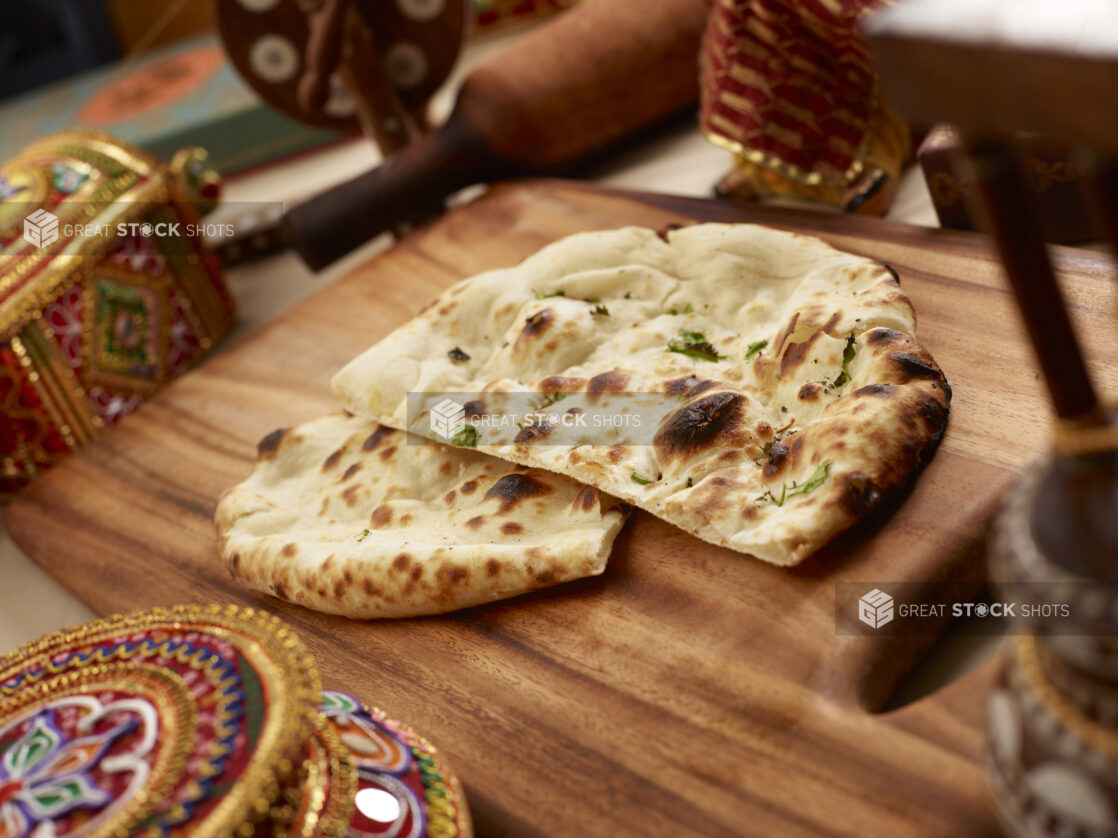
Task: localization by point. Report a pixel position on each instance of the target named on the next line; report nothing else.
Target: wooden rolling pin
(552, 101)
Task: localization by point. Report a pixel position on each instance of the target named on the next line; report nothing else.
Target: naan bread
(348, 517)
(795, 400)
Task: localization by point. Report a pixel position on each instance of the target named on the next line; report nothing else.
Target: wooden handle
(324, 53)
(406, 187)
(1007, 205)
(559, 96)
(588, 78)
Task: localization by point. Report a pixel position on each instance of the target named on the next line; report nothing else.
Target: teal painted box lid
(181, 95)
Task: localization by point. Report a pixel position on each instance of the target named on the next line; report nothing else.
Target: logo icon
(448, 418)
(875, 609)
(41, 228)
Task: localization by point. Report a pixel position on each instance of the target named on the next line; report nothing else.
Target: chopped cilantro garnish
(813, 482)
(808, 486)
(695, 345)
(540, 295)
(361, 536)
(847, 357)
(686, 310)
(755, 348)
(600, 309)
(465, 438)
(638, 479)
(552, 398)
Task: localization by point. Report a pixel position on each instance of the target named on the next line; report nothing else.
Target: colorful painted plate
(404, 786)
(189, 720)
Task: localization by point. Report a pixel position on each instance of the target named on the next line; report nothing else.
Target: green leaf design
(54, 798)
(38, 743)
(339, 702)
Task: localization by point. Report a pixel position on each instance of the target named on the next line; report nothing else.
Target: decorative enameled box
(106, 292)
(205, 721)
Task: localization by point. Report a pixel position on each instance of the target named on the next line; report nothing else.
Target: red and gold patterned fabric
(792, 90)
(105, 296)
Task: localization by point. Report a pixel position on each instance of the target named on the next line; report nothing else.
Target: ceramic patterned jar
(1053, 715)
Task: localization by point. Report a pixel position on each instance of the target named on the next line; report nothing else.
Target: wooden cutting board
(688, 690)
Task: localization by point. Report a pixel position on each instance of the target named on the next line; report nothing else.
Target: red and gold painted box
(106, 291)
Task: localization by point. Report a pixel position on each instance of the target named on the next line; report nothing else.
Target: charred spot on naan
(533, 432)
(333, 459)
(587, 498)
(689, 386)
(809, 392)
(377, 437)
(668, 228)
(269, 446)
(513, 489)
(538, 323)
(785, 333)
(560, 384)
(450, 573)
(611, 381)
(381, 517)
(711, 421)
(797, 352)
(910, 367)
(783, 456)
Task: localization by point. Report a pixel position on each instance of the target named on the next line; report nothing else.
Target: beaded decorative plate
(404, 786)
(190, 720)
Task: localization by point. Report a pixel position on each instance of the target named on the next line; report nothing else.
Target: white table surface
(678, 162)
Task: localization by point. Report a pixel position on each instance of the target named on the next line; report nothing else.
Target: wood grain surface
(687, 691)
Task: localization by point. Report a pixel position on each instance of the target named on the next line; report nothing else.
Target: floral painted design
(403, 789)
(67, 179)
(44, 775)
(373, 745)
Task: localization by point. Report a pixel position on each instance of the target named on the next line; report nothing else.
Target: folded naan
(779, 388)
(347, 517)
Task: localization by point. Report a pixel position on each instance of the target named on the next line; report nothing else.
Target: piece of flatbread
(796, 398)
(347, 517)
